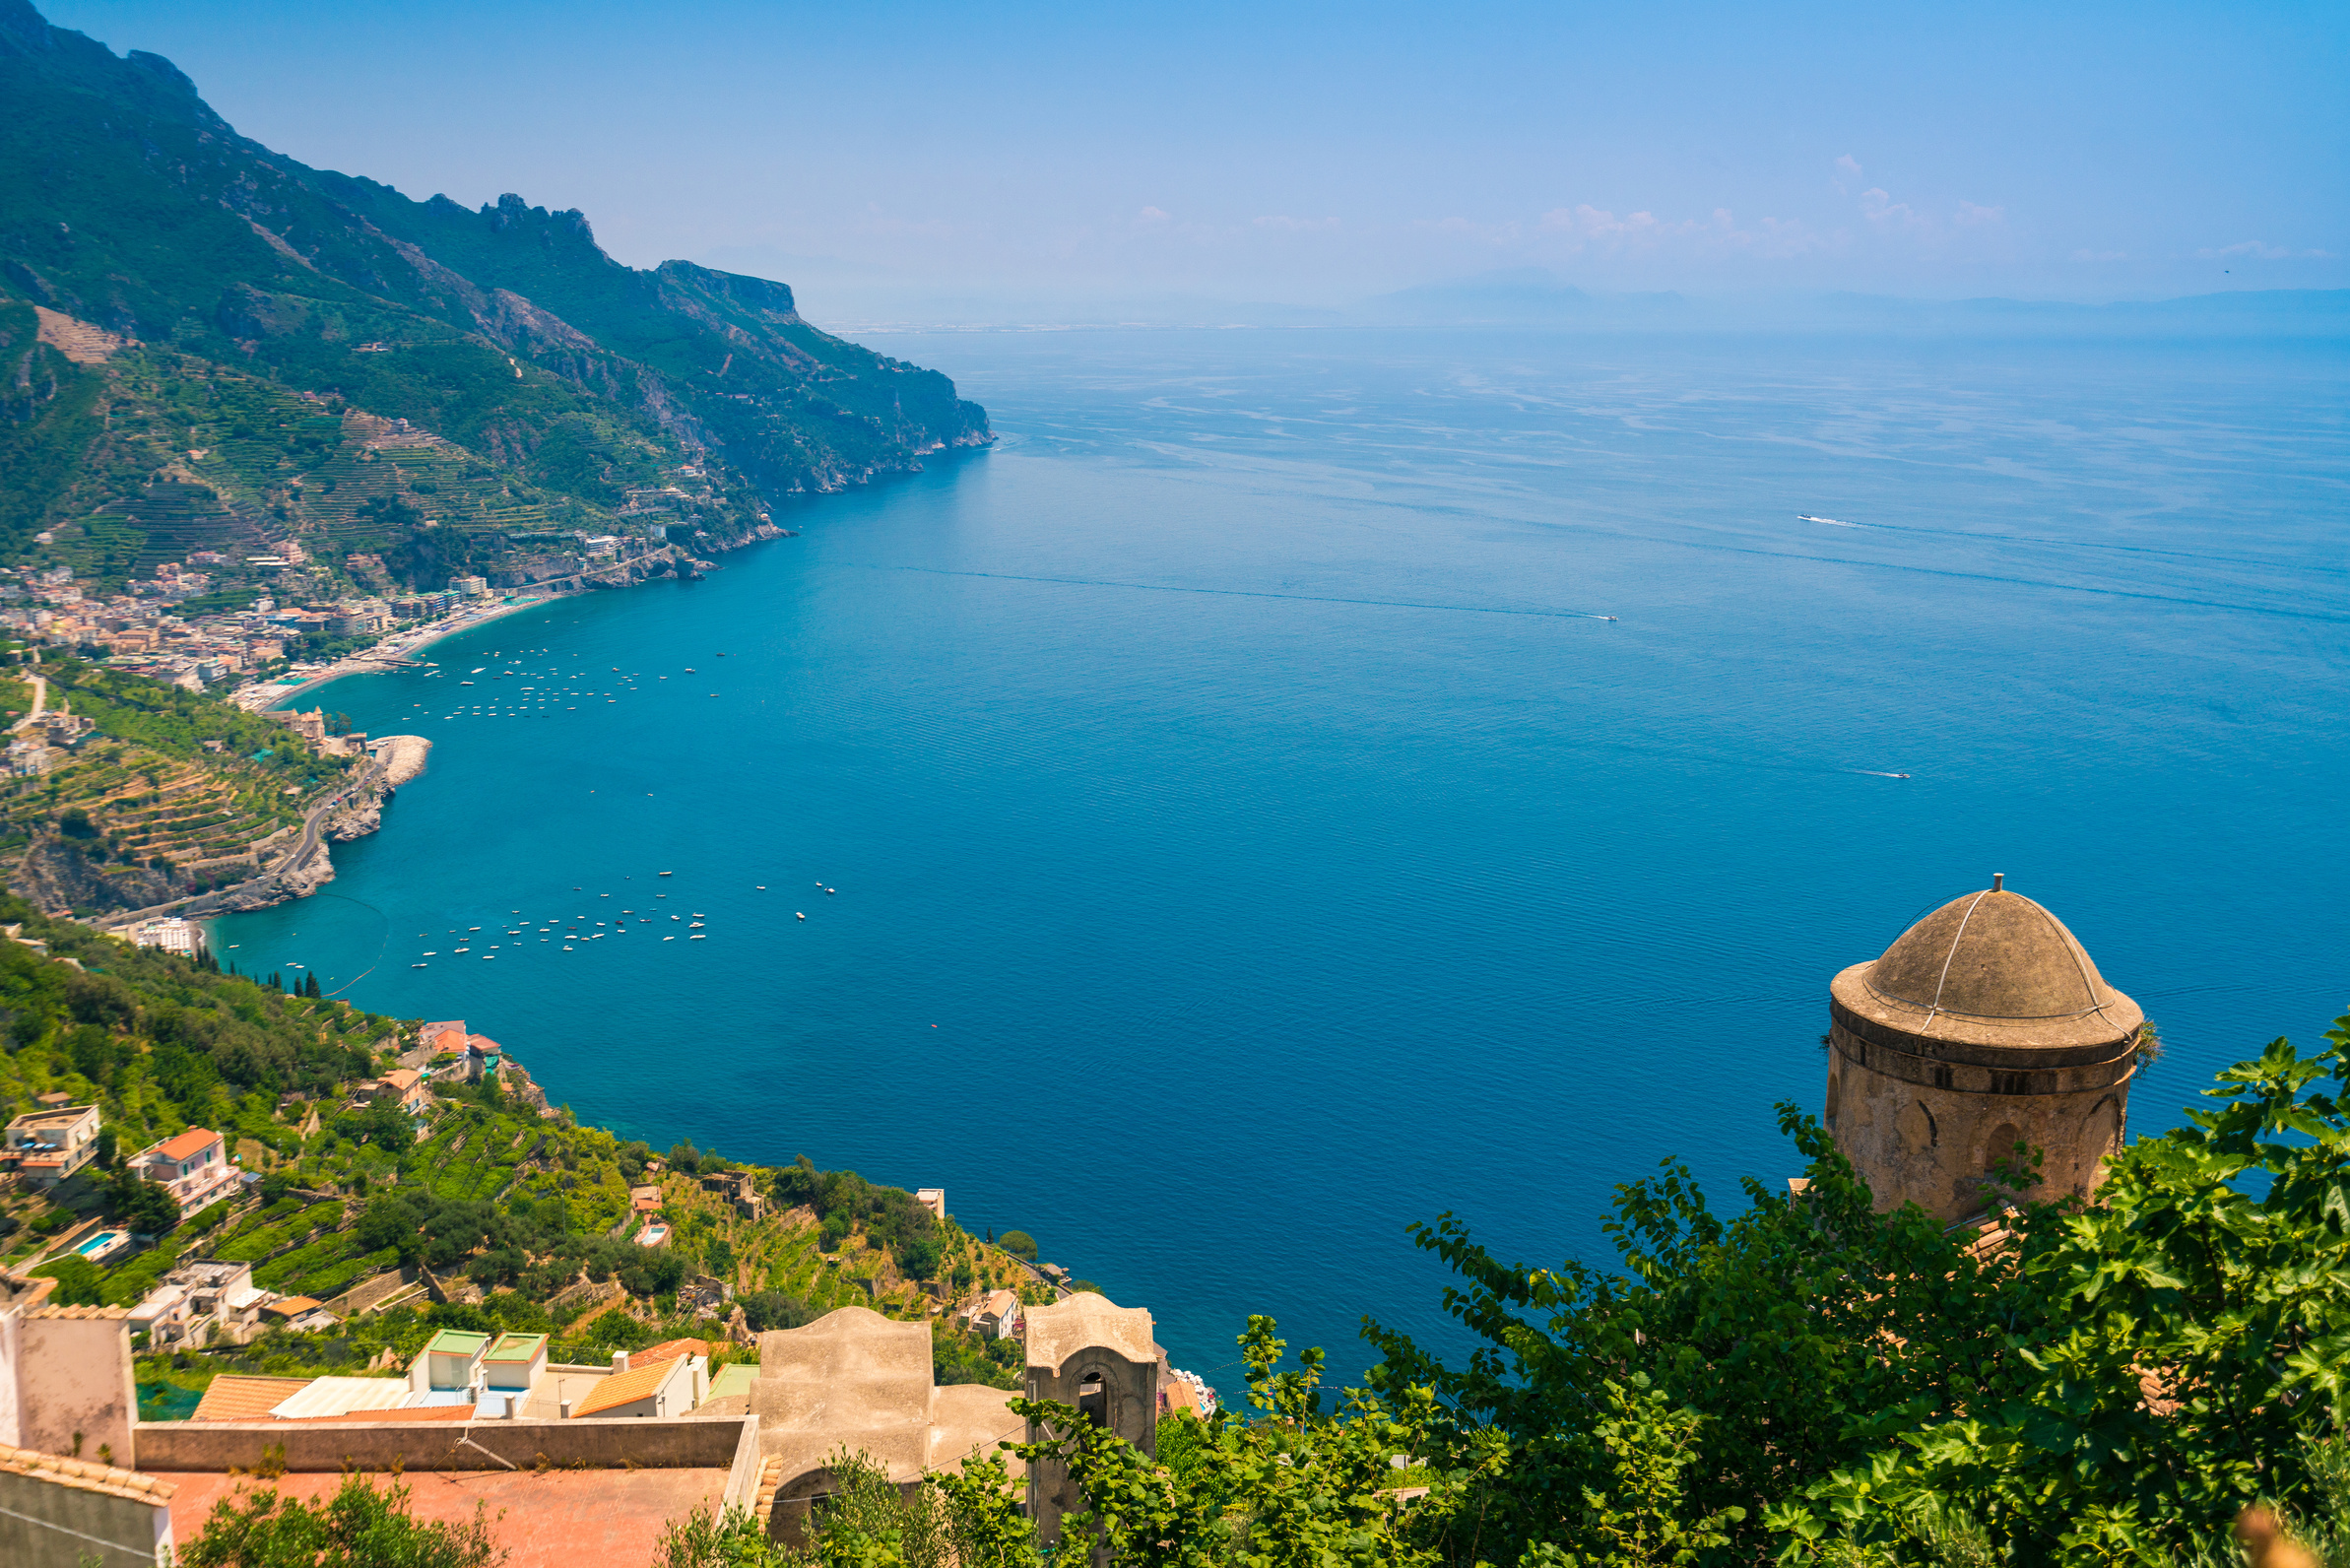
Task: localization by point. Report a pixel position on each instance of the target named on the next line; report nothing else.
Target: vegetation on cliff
(231, 335)
(169, 796)
(1801, 1378)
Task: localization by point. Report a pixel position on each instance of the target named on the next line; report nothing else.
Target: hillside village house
(406, 1088)
(995, 1315)
(195, 1166)
(50, 1144)
(198, 1302)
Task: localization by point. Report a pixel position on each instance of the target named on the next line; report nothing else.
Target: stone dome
(1988, 976)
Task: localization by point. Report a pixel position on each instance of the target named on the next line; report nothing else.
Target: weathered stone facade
(1985, 1026)
(1086, 1351)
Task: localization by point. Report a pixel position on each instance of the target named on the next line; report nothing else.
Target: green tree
(2182, 1346)
(140, 1204)
(1019, 1244)
(78, 1282)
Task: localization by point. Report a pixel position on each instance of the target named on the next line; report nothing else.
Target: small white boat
(416, 966)
(799, 916)
(669, 938)
(663, 873)
(697, 938)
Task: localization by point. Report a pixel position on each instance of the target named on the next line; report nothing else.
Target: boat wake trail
(1870, 772)
(1244, 593)
(1832, 522)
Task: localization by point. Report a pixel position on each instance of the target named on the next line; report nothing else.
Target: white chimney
(619, 1360)
(513, 1402)
(566, 1410)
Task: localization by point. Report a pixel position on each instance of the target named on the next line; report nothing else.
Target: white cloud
(1151, 218)
(1880, 209)
(1848, 167)
(1971, 215)
(1296, 225)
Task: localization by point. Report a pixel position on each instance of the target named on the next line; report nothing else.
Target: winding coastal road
(40, 698)
(195, 905)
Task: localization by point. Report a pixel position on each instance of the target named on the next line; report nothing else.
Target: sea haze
(1248, 842)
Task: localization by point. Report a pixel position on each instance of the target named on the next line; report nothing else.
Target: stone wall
(45, 1524)
(683, 1443)
(73, 1380)
(1934, 1144)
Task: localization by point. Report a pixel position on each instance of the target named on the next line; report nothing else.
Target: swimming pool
(105, 1244)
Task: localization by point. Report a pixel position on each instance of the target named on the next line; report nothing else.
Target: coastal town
(259, 625)
(178, 1311)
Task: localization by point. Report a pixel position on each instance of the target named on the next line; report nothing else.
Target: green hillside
(267, 319)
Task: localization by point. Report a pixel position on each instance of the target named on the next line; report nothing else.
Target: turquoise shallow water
(1246, 843)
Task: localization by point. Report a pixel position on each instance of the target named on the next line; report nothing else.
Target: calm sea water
(1247, 842)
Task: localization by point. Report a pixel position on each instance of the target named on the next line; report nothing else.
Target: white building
(50, 1144)
(194, 1166)
(171, 934)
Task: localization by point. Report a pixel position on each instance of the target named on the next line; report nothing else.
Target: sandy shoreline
(275, 693)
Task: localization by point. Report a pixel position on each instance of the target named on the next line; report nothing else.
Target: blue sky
(1321, 154)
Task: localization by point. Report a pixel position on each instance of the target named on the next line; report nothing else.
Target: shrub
(918, 1259)
(357, 1525)
(77, 1281)
(1018, 1243)
(775, 1309)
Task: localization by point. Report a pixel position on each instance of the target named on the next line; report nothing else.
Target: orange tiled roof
(84, 1476)
(421, 1412)
(624, 1388)
(669, 1350)
(233, 1398)
(189, 1143)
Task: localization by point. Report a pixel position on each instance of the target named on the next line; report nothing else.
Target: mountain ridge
(129, 205)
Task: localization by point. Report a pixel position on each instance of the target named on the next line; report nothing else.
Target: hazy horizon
(1313, 158)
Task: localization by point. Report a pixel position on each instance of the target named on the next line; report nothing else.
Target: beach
(385, 655)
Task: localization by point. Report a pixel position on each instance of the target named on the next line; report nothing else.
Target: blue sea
(1300, 783)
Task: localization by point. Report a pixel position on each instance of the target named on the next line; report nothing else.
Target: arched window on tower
(1093, 1400)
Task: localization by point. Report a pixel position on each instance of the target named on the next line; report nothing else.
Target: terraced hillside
(143, 810)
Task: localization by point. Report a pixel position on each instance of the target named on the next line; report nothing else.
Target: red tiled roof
(231, 1397)
(667, 1350)
(624, 1388)
(189, 1143)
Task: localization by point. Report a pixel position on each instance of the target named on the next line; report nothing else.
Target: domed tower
(1985, 1026)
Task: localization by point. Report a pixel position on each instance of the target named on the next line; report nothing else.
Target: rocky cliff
(532, 386)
